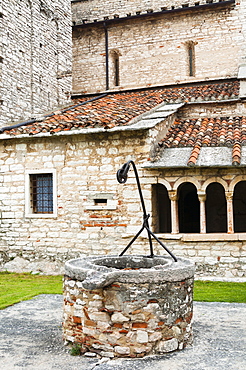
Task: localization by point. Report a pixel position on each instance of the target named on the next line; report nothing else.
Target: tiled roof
(119, 109)
(207, 132)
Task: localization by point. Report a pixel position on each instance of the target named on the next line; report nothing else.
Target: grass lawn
(19, 287)
(217, 291)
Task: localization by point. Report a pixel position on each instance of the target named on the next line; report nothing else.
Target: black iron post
(122, 178)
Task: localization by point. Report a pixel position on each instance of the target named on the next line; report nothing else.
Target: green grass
(217, 291)
(20, 287)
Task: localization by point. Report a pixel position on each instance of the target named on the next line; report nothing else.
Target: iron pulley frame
(122, 175)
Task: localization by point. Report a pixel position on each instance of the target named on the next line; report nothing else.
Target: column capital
(173, 195)
(202, 197)
(229, 195)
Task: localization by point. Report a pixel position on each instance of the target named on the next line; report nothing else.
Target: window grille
(41, 193)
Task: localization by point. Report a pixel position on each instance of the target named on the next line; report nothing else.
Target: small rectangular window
(41, 193)
(100, 202)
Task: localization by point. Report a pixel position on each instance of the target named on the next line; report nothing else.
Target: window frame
(28, 209)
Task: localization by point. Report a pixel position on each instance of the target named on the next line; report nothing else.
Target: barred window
(41, 193)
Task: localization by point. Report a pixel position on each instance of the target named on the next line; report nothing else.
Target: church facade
(161, 83)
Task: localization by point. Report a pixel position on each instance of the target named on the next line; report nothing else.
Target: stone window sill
(41, 215)
(203, 237)
(100, 208)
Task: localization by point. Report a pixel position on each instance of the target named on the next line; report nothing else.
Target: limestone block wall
(86, 169)
(155, 51)
(35, 57)
(212, 110)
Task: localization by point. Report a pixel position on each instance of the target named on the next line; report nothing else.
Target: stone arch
(188, 208)
(190, 179)
(165, 183)
(235, 181)
(214, 179)
(239, 206)
(216, 208)
(161, 209)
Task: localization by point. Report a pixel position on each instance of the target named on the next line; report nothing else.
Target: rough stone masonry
(35, 57)
(147, 309)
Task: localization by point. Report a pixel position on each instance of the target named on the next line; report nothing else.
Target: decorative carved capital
(173, 195)
(229, 195)
(202, 197)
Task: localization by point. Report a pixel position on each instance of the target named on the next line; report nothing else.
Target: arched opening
(191, 58)
(188, 208)
(216, 210)
(161, 206)
(239, 207)
(116, 66)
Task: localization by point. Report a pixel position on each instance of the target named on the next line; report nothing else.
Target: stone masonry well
(128, 306)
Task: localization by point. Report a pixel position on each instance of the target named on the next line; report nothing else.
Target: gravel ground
(31, 338)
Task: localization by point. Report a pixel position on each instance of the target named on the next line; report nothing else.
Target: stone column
(202, 200)
(174, 211)
(229, 201)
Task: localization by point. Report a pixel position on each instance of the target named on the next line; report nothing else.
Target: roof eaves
(83, 131)
(198, 7)
(77, 95)
(43, 117)
(141, 122)
(160, 166)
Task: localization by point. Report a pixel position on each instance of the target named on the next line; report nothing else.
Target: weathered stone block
(122, 350)
(119, 317)
(142, 336)
(168, 345)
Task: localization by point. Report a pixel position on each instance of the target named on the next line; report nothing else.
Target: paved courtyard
(31, 338)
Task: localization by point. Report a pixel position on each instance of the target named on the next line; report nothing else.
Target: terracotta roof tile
(198, 133)
(118, 109)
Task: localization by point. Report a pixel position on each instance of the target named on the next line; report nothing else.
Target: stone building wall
(35, 52)
(86, 167)
(91, 10)
(155, 50)
(213, 109)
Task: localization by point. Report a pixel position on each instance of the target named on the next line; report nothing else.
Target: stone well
(128, 306)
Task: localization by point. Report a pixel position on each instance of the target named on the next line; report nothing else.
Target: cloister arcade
(190, 206)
